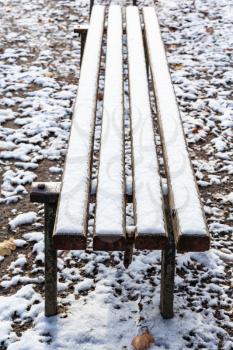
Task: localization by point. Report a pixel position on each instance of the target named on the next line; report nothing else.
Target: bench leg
(50, 262)
(83, 41)
(168, 275)
(128, 255)
(91, 5)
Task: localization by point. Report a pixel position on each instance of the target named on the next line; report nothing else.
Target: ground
(102, 305)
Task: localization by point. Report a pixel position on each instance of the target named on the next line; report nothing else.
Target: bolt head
(41, 186)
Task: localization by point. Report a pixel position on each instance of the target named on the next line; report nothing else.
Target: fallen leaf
(48, 74)
(172, 46)
(177, 66)
(7, 246)
(209, 30)
(196, 130)
(172, 29)
(61, 27)
(100, 96)
(143, 341)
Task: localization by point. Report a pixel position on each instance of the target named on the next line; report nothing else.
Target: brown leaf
(7, 246)
(100, 96)
(177, 66)
(49, 74)
(196, 129)
(61, 27)
(172, 29)
(172, 46)
(143, 341)
(209, 30)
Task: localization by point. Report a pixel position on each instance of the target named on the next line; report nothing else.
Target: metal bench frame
(48, 193)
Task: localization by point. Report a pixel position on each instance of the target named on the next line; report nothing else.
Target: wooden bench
(164, 222)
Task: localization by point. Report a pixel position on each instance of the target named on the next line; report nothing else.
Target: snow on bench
(191, 233)
(110, 202)
(71, 223)
(148, 202)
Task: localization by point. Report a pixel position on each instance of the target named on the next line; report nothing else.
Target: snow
(33, 236)
(183, 188)
(20, 262)
(26, 166)
(20, 242)
(147, 187)
(110, 189)
(84, 285)
(99, 319)
(55, 170)
(38, 249)
(74, 193)
(6, 114)
(229, 198)
(23, 219)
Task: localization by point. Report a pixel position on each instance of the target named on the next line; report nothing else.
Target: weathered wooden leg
(91, 5)
(50, 261)
(168, 273)
(48, 193)
(83, 41)
(128, 253)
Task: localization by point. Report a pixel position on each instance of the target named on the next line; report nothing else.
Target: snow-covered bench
(161, 221)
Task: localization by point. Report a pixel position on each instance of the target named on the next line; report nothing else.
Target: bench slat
(110, 203)
(71, 223)
(148, 199)
(191, 233)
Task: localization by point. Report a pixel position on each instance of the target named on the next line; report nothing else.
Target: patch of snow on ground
(23, 219)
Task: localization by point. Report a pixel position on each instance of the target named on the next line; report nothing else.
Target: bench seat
(150, 232)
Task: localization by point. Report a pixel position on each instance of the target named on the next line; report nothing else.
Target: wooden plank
(110, 203)
(148, 199)
(45, 192)
(191, 233)
(71, 221)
